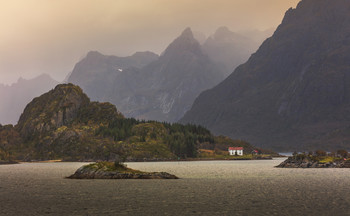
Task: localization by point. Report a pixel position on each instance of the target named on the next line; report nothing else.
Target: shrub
(342, 153)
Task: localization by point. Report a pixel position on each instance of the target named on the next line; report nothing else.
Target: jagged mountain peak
(94, 54)
(187, 33)
(184, 43)
(223, 33)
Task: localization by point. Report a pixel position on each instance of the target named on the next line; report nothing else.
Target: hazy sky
(50, 36)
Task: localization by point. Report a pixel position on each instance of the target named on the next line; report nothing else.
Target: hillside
(64, 124)
(293, 93)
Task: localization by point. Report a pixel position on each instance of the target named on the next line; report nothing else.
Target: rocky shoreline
(102, 171)
(8, 162)
(293, 162)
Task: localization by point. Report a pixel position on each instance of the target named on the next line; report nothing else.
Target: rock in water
(108, 170)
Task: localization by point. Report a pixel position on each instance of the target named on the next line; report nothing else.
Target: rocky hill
(293, 93)
(13, 98)
(64, 124)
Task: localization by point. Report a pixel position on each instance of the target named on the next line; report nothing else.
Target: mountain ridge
(291, 94)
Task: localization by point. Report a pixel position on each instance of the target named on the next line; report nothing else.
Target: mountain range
(293, 93)
(163, 88)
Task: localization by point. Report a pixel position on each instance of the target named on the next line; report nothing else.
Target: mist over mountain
(15, 97)
(229, 49)
(96, 73)
(293, 93)
(163, 90)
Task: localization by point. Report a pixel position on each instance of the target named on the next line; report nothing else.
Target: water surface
(205, 188)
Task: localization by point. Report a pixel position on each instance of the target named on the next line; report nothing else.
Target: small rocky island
(314, 161)
(115, 170)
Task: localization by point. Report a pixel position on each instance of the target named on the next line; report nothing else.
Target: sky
(51, 36)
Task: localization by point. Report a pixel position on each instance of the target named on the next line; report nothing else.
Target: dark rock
(88, 172)
(8, 162)
(293, 162)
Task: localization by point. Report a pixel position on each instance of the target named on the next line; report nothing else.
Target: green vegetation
(321, 156)
(64, 124)
(109, 166)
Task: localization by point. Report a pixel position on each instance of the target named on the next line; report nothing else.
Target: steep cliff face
(58, 107)
(62, 123)
(293, 93)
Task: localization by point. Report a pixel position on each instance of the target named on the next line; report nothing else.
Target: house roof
(235, 148)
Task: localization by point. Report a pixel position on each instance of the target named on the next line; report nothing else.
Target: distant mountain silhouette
(96, 73)
(15, 97)
(229, 48)
(294, 92)
(163, 90)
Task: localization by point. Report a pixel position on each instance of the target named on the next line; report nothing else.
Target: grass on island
(322, 159)
(112, 167)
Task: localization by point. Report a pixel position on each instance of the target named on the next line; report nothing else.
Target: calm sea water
(205, 188)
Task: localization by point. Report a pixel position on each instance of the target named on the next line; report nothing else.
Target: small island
(116, 170)
(319, 159)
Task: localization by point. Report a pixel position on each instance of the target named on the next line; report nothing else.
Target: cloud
(40, 36)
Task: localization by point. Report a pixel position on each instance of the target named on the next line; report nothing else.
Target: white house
(236, 151)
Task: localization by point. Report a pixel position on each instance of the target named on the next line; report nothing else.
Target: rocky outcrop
(62, 123)
(54, 109)
(293, 93)
(293, 162)
(94, 171)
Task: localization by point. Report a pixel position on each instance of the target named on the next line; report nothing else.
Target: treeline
(183, 140)
(119, 129)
